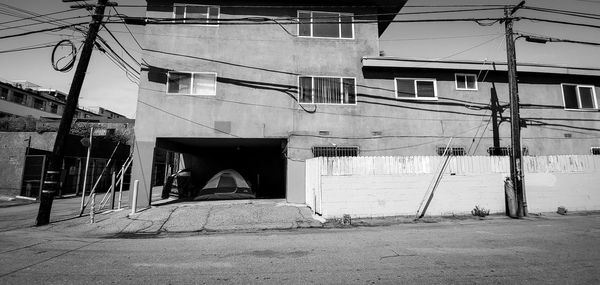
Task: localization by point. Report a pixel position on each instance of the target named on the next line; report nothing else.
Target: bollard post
(113, 186)
(92, 207)
(121, 186)
(135, 193)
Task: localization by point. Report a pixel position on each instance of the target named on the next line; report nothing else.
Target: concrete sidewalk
(191, 217)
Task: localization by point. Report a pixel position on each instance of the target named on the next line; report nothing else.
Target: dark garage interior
(260, 161)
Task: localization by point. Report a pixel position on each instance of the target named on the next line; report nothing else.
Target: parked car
(178, 184)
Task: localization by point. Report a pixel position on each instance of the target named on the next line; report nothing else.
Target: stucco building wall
(12, 157)
(257, 70)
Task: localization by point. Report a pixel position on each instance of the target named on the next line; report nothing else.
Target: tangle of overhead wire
(67, 67)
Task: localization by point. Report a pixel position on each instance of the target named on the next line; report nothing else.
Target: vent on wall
(595, 150)
(332, 151)
(223, 127)
(455, 151)
(504, 151)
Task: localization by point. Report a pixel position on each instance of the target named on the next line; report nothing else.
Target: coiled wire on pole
(73, 55)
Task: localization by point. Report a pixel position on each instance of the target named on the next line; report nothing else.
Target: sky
(107, 86)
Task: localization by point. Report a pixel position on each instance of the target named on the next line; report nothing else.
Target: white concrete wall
(392, 186)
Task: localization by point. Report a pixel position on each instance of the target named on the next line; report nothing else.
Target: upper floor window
(411, 88)
(19, 98)
(325, 25)
(192, 83)
(327, 90)
(3, 93)
(39, 104)
(53, 108)
(466, 81)
(579, 96)
(197, 14)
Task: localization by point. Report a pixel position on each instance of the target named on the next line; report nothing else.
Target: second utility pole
(516, 158)
(52, 175)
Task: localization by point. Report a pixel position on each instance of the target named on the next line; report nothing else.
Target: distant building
(106, 113)
(21, 98)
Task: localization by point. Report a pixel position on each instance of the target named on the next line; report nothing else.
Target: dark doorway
(260, 161)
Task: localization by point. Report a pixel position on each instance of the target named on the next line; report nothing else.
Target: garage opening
(261, 162)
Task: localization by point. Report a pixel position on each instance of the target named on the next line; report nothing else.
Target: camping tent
(227, 184)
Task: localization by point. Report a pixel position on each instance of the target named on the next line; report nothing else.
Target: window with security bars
(595, 150)
(504, 151)
(453, 151)
(196, 14)
(333, 151)
(327, 90)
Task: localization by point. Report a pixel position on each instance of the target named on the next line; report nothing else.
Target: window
(424, 89)
(579, 96)
(3, 93)
(197, 14)
(39, 104)
(595, 150)
(466, 81)
(327, 90)
(331, 151)
(19, 98)
(192, 83)
(325, 25)
(53, 108)
(504, 151)
(454, 151)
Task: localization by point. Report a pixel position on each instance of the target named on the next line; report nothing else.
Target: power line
(565, 12)
(26, 48)
(43, 22)
(560, 22)
(438, 38)
(328, 6)
(269, 21)
(119, 60)
(122, 47)
(44, 30)
(127, 27)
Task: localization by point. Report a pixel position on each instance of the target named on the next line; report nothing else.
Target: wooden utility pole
(52, 176)
(516, 165)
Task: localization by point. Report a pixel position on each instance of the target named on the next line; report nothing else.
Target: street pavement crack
(167, 219)
(23, 247)
(396, 255)
(49, 258)
(203, 227)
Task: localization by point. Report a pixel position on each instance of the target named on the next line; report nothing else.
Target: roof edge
(396, 62)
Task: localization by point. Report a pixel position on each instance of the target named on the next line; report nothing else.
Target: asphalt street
(539, 250)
